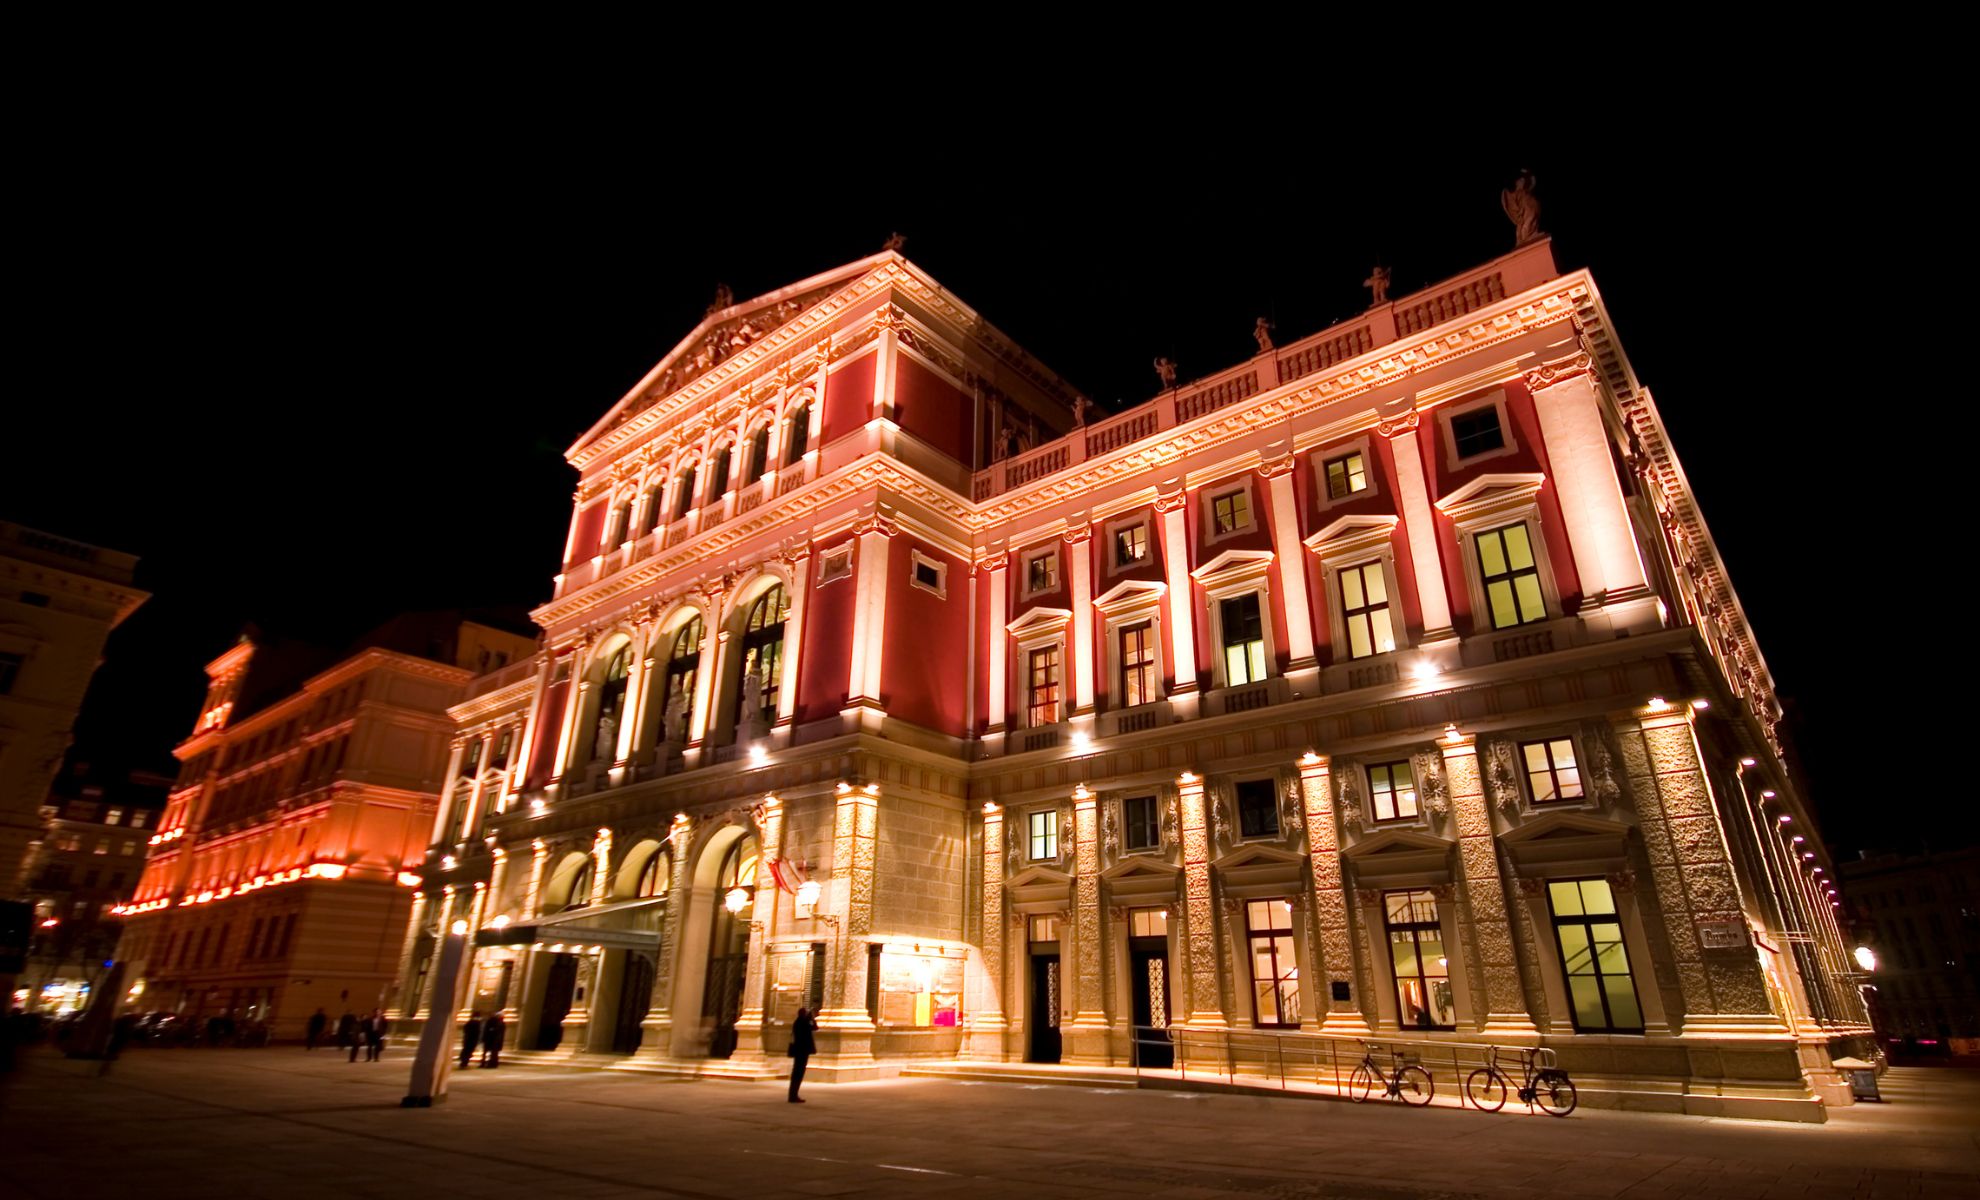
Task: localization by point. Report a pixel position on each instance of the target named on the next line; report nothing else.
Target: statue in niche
(1522, 208)
(1007, 443)
(1262, 330)
(750, 727)
(605, 747)
(674, 718)
(1377, 284)
(1165, 369)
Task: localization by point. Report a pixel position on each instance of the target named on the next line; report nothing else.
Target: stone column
(714, 636)
(657, 1029)
(1087, 1031)
(845, 1028)
(1333, 941)
(1485, 921)
(987, 1023)
(403, 980)
(464, 996)
(1202, 997)
(749, 1020)
(1420, 524)
(999, 667)
(524, 752)
(441, 834)
(498, 877)
(1724, 990)
(798, 561)
(863, 687)
(632, 724)
(1303, 671)
(1581, 468)
(1182, 600)
(1079, 557)
(446, 918)
(539, 851)
(577, 699)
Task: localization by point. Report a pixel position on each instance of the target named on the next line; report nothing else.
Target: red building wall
(848, 400)
(825, 660)
(926, 406)
(924, 664)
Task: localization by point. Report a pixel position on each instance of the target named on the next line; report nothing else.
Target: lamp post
(432, 1060)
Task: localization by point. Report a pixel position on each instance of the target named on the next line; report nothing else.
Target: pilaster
(402, 982)
(1086, 1033)
(1303, 671)
(864, 686)
(1420, 524)
(987, 1023)
(798, 562)
(762, 928)
(1486, 923)
(1333, 941)
(446, 919)
(845, 1028)
(1079, 556)
(1182, 599)
(1202, 997)
(1000, 672)
(657, 1029)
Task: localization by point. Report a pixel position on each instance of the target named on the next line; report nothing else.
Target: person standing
(493, 1031)
(314, 1032)
(374, 1035)
(347, 1033)
(470, 1037)
(803, 1046)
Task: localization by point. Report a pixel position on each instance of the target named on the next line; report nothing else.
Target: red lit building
(1388, 681)
(277, 881)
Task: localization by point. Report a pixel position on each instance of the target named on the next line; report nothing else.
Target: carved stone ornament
(1502, 774)
(1605, 784)
(1348, 804)
(1222, 829)
(1110, 832)
(1171, 828)
(1368, 895)
(1430, 784)
(1292, 809)
(1014, 844)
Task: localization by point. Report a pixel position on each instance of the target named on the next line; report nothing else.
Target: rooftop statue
(1522, 208)
(724, 298)
(895, 241)
(1377, 284)
(1166, 369)
(1263, 332)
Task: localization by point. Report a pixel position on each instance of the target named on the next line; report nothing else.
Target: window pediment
(1353, 535)
(1567, 841)
(1490, 496)
(1233, 567)
(1128, 595)
(1039, 623)
(1400, 857)
(1255, 871)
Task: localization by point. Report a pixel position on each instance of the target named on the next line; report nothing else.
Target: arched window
(763, 654)
(581, 885)
(759, 456)
(718, 476)
(611, 706)
(684, 498)
(656, 876)
(799, 436)
(651, 516)
(621, 525)
(677, 694)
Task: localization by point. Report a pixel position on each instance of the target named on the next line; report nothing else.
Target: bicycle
(1407, 1082)
(1548, 1087)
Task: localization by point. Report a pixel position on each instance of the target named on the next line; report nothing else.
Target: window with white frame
(1510, 576)
(1365, 613)
(1141, 823)
(836, 563)
(1041, 572)
(1346, 475)
(1042, 690)
(1230, 511)
(1130, 544)
(929, 574)
(1243, 630)
(1137, 659)
(1042, 828)
(1392, 790)
(1551, 771)
(1477, 432)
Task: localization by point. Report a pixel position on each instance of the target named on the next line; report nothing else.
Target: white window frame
(1525, 738)
(1321, 500)
(1112, 528)
(1356, 542)
(1216, 492)
(1494, 502)
(917, 559)
(1032, 554)
(1228, 576)
(1040, 629)
(1495, 398)
(1128, 604)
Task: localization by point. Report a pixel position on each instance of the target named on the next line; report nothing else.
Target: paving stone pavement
(280, 1122)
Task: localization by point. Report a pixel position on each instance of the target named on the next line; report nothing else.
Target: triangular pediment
(1567, 841)
(1400, 856)
(1130, 593)
(1353, 534)
(1141, 866)
(1233, 566)
(1558, 825)
(1257, 871)
(1257, 854)
(1397, 841)
(1488, 493)
(1039, 620)
(1039, 877)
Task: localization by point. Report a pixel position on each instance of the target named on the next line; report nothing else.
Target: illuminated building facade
(1387, 681)
(277, 879)
(1919, 914)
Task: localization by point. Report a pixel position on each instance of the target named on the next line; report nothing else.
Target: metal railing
(1324, 1061)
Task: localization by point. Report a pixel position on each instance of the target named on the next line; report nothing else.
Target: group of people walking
(354, 1033)
(486, 1035)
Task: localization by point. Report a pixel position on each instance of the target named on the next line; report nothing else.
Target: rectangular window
(1244, 640)
(1137, 665)
(1130, 545)
(1143, 823)
(1589, 934)
(137, 819)
(1510, 576)
(1258, 808)
(1365, 610)
(471, 761)
(1231, 512)
(684, 499)
(1148, 922)
(1042, 928)
(834, 564)
(114, 816)
(1041, 573)
(1043, 827)
(1416, 949)
(1392, 790)
(500, 758)
(1346, 476)
(1044, 687)
(1274, 963)
(928, 576)
(1551, 771)
(128, 848)
(1477, 431)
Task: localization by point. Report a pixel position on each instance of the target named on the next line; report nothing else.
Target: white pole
(434, 1057)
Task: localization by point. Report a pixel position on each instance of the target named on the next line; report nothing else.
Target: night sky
(316, 381)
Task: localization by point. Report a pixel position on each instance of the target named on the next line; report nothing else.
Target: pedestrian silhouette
(803, 1046)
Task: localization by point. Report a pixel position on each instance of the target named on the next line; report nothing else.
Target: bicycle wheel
(1486, 1089)
(1361, 1083)
(1554, 1093)
(1416, 1086)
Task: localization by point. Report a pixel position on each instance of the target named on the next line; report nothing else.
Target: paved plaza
(238, 1125)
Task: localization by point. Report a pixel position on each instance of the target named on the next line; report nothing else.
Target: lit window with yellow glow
(1365, 610)
(1392, 791)
(1345, 476)
(1510, 576)
(1551, 771)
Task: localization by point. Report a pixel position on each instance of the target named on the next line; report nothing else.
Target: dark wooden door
(1148, 978)
(1045, 1044)
(723, 1001)
(557, 993)
(635, 998)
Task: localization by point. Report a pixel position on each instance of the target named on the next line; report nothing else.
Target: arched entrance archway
(728, 944)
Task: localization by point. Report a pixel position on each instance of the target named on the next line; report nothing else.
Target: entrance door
(635, 997)
(558, 989)
(1044, 1009)
(723, 1001)
(1148, 977)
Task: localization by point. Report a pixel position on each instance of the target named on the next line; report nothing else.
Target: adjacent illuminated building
(1388, 681)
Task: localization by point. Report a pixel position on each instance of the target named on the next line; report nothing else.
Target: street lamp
(736, 900)
(1866, 958)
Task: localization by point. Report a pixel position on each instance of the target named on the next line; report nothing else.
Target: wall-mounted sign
(1723, 935)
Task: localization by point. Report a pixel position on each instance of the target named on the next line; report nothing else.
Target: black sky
(316, 373)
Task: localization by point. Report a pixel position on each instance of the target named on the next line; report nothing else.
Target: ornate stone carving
(1377, 284)
(1430, 783)
(1604, 779)
(1348, 805)
(1502, 775)
(1261, 331)
(1110, 832)
(1292, 808)
(1165, 370)
(1522, 208)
